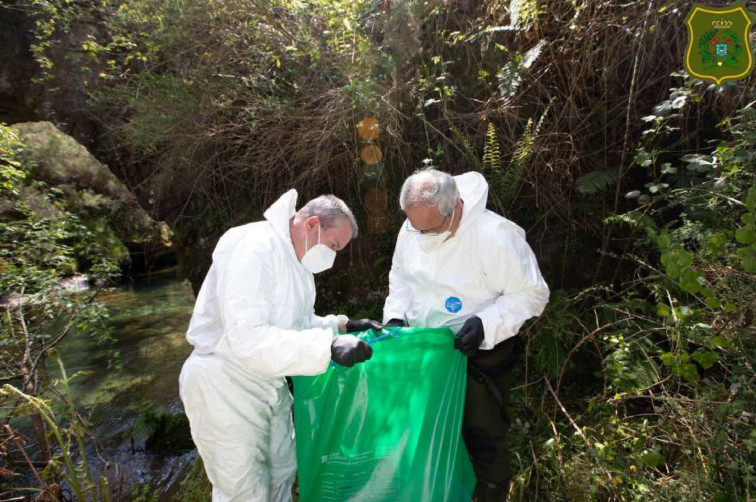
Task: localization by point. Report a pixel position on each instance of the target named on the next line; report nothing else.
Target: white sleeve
(399, 295)
(246, 280)
(330, 321)
(513, 271)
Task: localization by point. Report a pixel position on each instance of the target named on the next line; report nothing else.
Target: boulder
(90, 189)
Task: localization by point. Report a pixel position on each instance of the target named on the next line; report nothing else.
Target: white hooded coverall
(487, 269)
(253, 323)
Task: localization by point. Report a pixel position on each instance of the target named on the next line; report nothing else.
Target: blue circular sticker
(453, 304)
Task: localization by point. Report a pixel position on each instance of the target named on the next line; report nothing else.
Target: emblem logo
(453, 304)
(718, 48)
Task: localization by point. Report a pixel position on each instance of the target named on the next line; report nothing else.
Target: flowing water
(135, 376)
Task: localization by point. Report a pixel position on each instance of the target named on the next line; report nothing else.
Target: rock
(89, 187)
(13, 301)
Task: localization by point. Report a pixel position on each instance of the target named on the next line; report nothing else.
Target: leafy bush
(645, 391)
(41, 246)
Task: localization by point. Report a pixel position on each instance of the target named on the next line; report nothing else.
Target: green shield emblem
(718, 49)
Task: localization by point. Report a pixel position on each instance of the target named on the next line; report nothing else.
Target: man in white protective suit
(253, 324)
(459, 265)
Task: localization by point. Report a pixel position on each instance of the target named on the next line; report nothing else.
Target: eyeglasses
(409, 228)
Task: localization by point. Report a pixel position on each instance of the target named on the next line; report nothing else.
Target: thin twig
(566, 414)
(14, 438)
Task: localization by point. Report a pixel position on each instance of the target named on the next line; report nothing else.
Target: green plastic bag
(387, 429)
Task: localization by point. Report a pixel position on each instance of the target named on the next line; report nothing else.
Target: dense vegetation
(634, 181)
(42, 246)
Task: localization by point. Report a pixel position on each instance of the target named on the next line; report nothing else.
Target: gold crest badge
(718, 49)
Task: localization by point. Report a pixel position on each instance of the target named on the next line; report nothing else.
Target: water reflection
(148, 321)
(138, 371)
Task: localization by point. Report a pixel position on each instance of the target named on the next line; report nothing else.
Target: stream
(134, 377)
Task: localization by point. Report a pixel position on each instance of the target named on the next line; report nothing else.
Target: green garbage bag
(387, 429)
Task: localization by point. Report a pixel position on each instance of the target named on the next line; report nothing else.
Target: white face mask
(319, 257)
(430, 243)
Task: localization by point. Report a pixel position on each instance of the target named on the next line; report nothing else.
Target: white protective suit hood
(280, 213)
(486, 269)
(473, 190)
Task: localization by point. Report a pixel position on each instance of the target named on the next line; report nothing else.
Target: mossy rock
(89, 188)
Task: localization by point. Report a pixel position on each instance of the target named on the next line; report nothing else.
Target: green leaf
(705, 358)
(698, 163)
(667, 168)
(745, 235)
(720, 342)
(673, 269)
(668, 358)
(712, 302)
(662, 310)
(717, 242)
(656, 187)
(652, 458)
(750, 201)
(690, 281)
(747, 259)
(688, 371)
(684, 258)
(642, 158)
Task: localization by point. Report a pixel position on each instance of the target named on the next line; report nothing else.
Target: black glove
(396, 323)
(348, 350)
(362, 325)
(470, 336)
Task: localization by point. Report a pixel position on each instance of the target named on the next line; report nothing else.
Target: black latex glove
(362, 325)
(470, 336)
(348, 350)
(396, 323)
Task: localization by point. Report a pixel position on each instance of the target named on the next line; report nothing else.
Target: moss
(89, 188)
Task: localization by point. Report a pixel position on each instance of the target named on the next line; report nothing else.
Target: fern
(514, 13)
(523, 13)
(509, 79)
(524, 147)
(492, 168)
(491, 151)
(635, 220)
(522, 154)
(510, 76)
(508, 184)
(531, 56)
(492, 164)
(595, 181)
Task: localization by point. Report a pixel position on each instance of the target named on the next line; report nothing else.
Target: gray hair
(329, 209)
(429, 187)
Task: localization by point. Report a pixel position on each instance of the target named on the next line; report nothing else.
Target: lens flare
(371, 154)
(368, 128)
